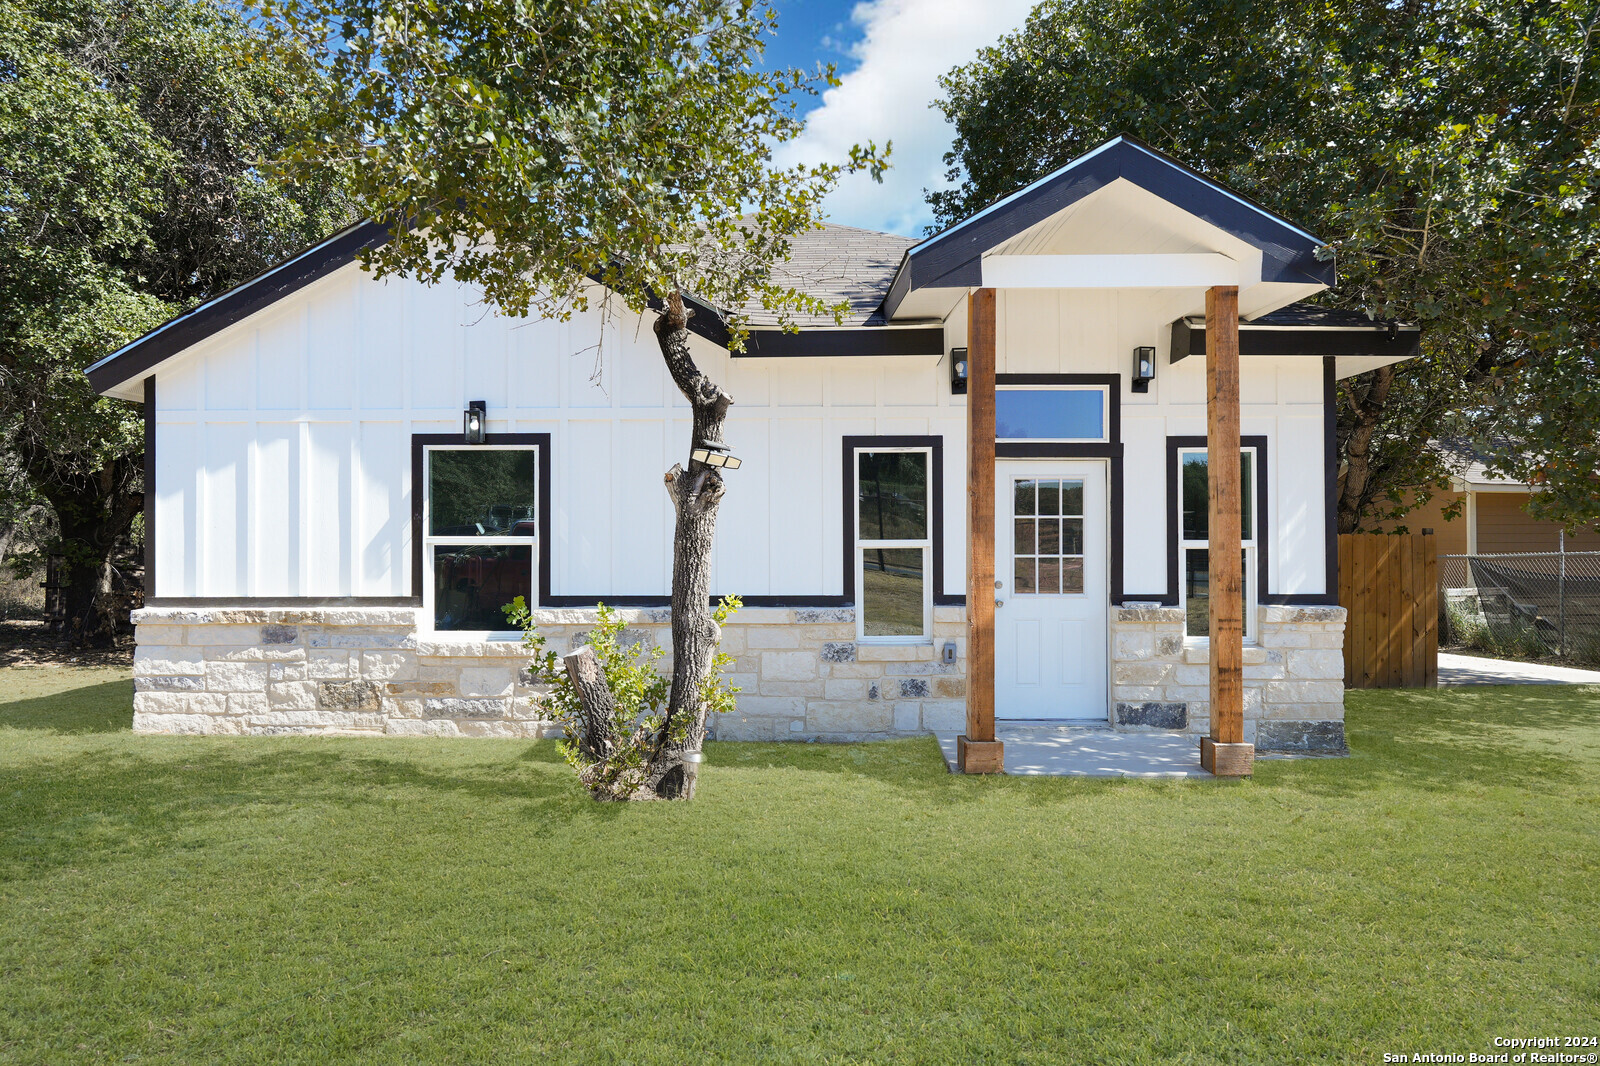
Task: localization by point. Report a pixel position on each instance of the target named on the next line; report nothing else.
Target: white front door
(1050, 569)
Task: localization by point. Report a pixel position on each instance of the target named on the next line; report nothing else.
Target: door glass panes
(891, 594)
(1050, 414)
(1047, 536)
(471, 582)
(481, 493)
(892, 495)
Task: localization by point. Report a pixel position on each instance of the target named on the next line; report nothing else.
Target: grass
(305, 900)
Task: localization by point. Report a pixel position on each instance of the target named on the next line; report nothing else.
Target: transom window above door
(1066, 413)
(1047, 536)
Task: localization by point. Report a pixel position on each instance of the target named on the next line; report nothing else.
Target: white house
(329, 555)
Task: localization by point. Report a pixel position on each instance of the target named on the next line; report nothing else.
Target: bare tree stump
(599, 706)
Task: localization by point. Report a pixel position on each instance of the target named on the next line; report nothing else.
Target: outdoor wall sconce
(473, 422)
(958, 371)
(1144, 368)
(711, 453)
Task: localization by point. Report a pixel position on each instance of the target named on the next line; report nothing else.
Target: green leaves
(537, 140)
(1444, 148)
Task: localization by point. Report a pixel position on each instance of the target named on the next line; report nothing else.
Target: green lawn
(299, 900)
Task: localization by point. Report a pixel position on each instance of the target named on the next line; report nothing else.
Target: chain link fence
(1530, 605)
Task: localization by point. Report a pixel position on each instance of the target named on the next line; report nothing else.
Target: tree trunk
(1367, 405)
(599, 706)
(695, 494)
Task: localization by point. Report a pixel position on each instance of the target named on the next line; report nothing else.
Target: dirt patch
(30, 643)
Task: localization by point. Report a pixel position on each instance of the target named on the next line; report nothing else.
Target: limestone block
(1169, 645)
(735, 726)
(950, 614)
(180, 702)
(388, 665)
(279, 634)
(349, 695)
(158, 634)
(1253, 655)
(1130, 643)
(486, 681)
(177, 683)
(178, 724)
(743, 682)
(1279, 637)
(288, 672)
(825, 614)
(839, 652)
(769, 706)
(1263, 671)
(816, 634)
(1138, 693)
(866, 670)
(907, 717)
(943, 631)
(1140, 673)
(950, 687)
(845, 689)
(1318, 664)
(923, 669)
(1329, 638)
(1147, 613)
(458, 707)
(1186, 693)
(404, 727)
(402, 707)
(944, 716)
(824, 716)
(1191, 675)
(237, 677)
(323, 664)
(811, 689)
(165, 659)
(893, 653)
(732, 642)
(788, 666)
(253, 653)
(1305, 692)
(362, 639)
(1288, 735)
(1152, 714)
(1195, 654)
(502, 729)
(1296, 615)
(224, 634)
(244, 704)
(293, 695)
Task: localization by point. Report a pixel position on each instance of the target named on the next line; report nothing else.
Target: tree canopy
(530, 147)
(1446, 150)
(132, 137)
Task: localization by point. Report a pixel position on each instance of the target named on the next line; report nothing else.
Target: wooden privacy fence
(1389, 584)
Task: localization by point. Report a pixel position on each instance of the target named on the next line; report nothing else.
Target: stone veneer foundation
(1293, 676)
(368, 671)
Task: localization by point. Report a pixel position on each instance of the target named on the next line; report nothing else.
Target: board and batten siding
(283, 445)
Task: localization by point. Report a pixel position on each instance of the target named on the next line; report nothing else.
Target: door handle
(999, 603)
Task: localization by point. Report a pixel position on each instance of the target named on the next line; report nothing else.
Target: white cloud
(904, 47)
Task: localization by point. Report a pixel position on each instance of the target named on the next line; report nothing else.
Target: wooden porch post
(977, 751)
(1224, 752)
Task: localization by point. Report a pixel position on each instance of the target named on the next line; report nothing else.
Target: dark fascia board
(866, 341)
(954, 258)
(1381, 339)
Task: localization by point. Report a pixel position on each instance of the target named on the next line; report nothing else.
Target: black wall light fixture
(474, 422)
(1144, 369)
(958, 371)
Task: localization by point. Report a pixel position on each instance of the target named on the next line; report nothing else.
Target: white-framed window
(894, 544)
(1194, 566)
(1068, 414)
(480, 545)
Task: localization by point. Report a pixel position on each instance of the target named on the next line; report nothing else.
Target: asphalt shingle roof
(837, 263)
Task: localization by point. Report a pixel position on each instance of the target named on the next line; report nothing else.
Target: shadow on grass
(106, 707)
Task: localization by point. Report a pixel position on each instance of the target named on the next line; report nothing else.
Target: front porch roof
(1123, 201)
(1356, 342)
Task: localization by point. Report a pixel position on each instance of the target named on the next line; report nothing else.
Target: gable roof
(834, 264)
(953, 258)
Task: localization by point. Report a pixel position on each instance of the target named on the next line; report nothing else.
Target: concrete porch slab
(1055, 749)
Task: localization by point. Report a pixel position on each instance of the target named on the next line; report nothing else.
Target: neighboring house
(1492, 518)
(328, 555)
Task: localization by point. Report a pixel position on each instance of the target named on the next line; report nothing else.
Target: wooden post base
(980, 756)
(1227, 760)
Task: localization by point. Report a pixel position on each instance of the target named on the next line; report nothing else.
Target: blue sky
(889, 55)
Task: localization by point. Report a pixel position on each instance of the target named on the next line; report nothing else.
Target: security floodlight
(711, 453)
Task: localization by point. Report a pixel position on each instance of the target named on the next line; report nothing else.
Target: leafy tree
(536, 148)
(131, 136)
(1444, 148)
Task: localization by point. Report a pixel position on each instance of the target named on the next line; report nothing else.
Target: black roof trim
(954, 257)
(866, 341)
(1305, 329)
